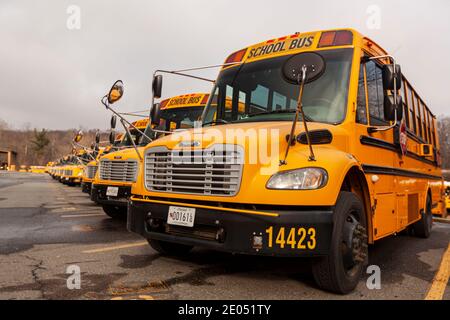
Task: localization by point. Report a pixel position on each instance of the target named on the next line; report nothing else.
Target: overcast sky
(53, 76)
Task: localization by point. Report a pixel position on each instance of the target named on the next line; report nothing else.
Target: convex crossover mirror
(78, 136)
(116, 92)
(311, 62)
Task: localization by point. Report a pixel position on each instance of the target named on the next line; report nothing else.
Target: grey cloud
(54, 77)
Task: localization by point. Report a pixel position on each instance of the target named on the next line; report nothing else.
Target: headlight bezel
(323, 183)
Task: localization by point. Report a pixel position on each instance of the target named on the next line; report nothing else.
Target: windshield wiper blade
(277, 111)
(219, 121)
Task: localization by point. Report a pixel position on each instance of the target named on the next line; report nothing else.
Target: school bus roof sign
(187, 100)
(141, 124)
(292, 44)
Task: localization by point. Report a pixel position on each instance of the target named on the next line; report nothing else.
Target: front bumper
(86, 187)
(98, 195)
(70, 180)
(238, 232)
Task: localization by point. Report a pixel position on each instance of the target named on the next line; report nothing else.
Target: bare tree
(444, 139)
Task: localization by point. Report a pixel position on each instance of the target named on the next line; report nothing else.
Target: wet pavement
(47, 227)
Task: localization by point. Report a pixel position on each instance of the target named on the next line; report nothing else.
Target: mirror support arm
(76, 144)
(122, 119)
(294, 123)
(131, 138)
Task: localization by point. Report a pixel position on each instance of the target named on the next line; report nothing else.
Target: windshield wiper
(307, 118)
(218, 121)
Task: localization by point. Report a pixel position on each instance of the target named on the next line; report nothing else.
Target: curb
(442, 220)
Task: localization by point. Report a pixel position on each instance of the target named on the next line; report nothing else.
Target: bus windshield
(257, 91)
(180, 118)
(135, 135)
(175, 118)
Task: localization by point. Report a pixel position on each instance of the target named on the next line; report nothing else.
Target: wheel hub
(354, 242)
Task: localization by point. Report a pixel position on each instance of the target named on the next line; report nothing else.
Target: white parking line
(83, 215)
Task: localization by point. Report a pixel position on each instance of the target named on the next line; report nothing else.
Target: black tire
(115, 212)
(169, 248)
(341, 270)
(422, 228)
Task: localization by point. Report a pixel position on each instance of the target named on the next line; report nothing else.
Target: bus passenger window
(279, 101)
(260, 98)
(405, 106)
(375, 94)
(361, 110)
(410, 102)
(419, 115)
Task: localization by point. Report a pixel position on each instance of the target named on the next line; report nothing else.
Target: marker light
(163, 103)
(335, 38)
(236, 57)
(205, 99)
(299, 179)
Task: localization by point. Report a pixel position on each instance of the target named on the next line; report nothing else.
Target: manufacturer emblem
(185, 144)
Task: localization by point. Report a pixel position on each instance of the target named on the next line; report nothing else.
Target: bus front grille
(216, 171)
(91, 171)
(118, 170)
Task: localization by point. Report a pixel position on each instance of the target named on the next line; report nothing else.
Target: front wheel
(422, 228)
(340, 271)
(169, 248)
(115, 212)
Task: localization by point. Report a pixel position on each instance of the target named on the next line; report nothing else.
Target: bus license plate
(181, 216)
(112, 191)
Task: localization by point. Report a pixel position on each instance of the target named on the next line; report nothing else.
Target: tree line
(37, 147)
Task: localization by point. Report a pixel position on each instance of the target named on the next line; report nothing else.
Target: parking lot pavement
(47, 227)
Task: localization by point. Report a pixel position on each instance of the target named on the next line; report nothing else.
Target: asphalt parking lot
(45, 227)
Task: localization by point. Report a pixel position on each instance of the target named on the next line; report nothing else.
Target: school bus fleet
(118, 170)
(311, 145)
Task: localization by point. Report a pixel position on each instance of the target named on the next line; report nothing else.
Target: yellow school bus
(118, 170)
(447, 196)
(73, 168)
(353, 158)
(91, 167)
(99, 184)
(37, 169)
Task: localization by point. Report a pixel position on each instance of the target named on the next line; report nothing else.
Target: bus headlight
(299, 179)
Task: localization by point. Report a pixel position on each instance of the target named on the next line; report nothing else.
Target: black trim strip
(368, 168)
(378, 143)
(374, 142)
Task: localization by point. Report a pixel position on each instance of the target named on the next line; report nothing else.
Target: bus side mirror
(113, 122)
(390, 106)
(389, 75)
(157, 86)
(155, 114)
(112, 137)
(97, 137)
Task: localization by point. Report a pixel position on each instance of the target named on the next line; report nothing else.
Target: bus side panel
(385, 219)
